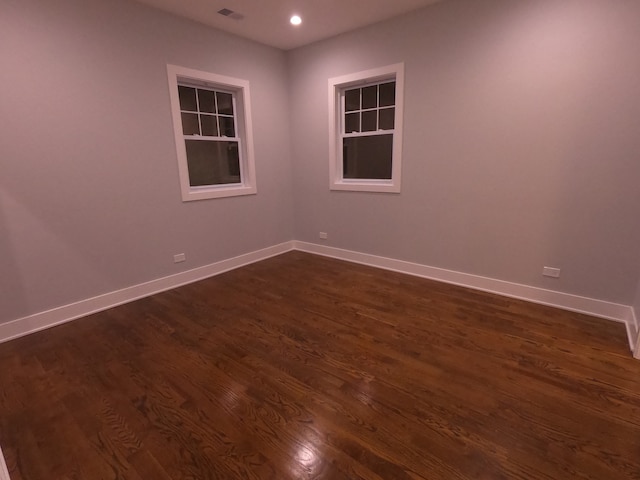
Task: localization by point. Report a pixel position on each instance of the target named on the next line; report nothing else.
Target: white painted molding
(40, 321)
(598, 308)
(244, 132)
(336, 85)
(636, 333)
(565, 301)
(4, 472)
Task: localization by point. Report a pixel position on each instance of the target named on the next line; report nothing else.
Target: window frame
(240, 91)
(337, 87)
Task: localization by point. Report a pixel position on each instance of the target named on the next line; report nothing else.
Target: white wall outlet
(551, 272)
(180, 257)
(323, 235)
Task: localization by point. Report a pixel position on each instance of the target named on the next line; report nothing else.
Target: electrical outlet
(551, 272)
(180, 257)
(323, 235)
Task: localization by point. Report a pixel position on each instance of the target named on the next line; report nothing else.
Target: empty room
(319, 239)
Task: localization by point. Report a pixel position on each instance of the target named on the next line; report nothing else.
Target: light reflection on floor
(307, 460)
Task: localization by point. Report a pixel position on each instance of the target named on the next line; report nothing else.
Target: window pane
(225, 103)
(212, 162)
(226, 127)
(352, 100)
(209, 125)
(386, 118)
(206, 101)
(367, 157)
(351, 122)
(370, 121)
(190, 124)
(388, 94)
(187, 98)
(370, 97)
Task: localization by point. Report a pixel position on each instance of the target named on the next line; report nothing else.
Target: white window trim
(336, 86)
(240, 89)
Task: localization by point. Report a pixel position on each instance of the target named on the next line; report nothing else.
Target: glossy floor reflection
(307, 367)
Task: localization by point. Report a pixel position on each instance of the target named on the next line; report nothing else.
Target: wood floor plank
(302, 366)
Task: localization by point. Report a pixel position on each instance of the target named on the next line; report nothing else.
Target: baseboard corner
(575, 303)
(66, 313)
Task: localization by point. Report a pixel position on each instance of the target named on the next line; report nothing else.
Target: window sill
(217, 192)
(379, 186)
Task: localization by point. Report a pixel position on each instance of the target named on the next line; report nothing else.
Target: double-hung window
(212, 127)
(365, 125)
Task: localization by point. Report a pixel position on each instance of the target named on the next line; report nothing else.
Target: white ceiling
(267, 21)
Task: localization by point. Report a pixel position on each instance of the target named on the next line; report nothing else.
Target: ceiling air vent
(225, 12)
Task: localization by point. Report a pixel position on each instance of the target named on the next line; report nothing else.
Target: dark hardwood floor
(306, 367)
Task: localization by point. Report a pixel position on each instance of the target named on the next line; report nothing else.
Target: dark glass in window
(233, 160)
(386, 118)
(370, 121)
(212, 162)
(206, 101)
(352, 100)
(187, 98)
(190, 124)
(225, 103)
(387, 94)
(370, 97)
(226, 127)
(351, 122)
(209, 125)
(367, 157)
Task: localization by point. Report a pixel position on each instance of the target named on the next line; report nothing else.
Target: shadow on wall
(12, 290)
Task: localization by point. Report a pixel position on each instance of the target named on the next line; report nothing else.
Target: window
(212, 126)
(365, 130)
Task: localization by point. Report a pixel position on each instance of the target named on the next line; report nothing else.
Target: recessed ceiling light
(295, 20)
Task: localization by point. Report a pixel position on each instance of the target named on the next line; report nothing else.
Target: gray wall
(636, 303)
(521, 142)
(89, 193)
(521, 146)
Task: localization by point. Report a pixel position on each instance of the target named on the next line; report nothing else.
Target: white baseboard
(635, 333)
(565, 301)
(50, 318)
(40, 321)
(4, 472)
